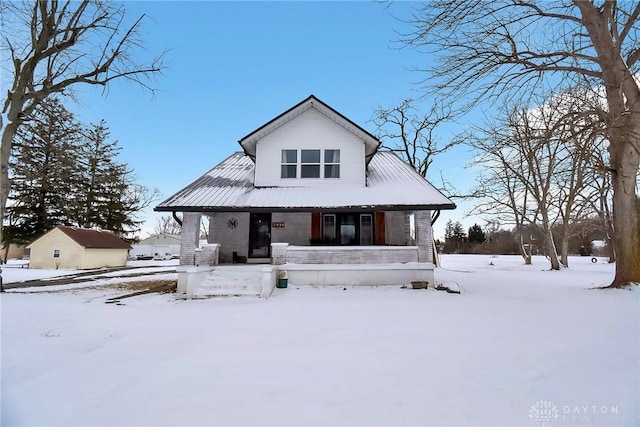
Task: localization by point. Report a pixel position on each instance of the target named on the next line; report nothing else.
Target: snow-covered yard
(520, 345)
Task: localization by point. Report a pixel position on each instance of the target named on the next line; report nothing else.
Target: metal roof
(391, 184)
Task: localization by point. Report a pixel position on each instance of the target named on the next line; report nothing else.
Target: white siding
(310, 130)
(71, 254)
(102, 258)
(42, 250)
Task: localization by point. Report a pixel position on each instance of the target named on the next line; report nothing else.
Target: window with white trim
(309, 163)
(289, 164)
(56, 253)
(328, 227)
(366, 229)
(347, 228)
(332, 163)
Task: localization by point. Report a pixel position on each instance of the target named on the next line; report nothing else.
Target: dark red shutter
(316, 226)
(380, 230)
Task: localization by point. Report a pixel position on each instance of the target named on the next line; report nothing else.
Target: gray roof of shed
(391, 184)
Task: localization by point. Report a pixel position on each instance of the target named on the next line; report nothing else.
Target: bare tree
(507, 200)
(522, 159)
(55, 45)
(549, 146)
(513, 48)
(576, 138)
(411, 135)
(600, 197)
(166, 225)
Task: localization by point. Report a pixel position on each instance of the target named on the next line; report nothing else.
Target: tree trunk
(626, 219)
(623, 131)
(564, 249)
(5, 185)
(523, 251)
(552, 253)
(6, 253)
(611, 247)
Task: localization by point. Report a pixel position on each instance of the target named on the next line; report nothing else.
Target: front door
(260, 235)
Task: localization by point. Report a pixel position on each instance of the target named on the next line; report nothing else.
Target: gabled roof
(92, 239)
(391, 184)
(161, 237)
(248, 143)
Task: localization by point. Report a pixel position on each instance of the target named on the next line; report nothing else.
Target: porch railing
(283, 253)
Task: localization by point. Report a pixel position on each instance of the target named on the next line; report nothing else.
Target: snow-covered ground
(18, 271)
(520, 346)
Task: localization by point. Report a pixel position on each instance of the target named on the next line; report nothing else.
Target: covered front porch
(317, 262)
(308, 238)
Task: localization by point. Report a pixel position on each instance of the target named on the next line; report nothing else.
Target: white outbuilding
(158, 245)
(78, 248)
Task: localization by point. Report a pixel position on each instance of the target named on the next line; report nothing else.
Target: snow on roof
(391, 184)
(92, 239)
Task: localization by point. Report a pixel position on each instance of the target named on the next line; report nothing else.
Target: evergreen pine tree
(95, 163)
(42, 166)
(476, 235)
(107, 196)
(454, 237)
(65, 175)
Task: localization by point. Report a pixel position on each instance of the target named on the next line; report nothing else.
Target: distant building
(13, 252)
(160, 244)
(78, 248)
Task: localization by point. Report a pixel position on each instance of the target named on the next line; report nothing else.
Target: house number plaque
(277, 224)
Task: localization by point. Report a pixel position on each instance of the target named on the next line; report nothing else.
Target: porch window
(329, 227)
(347, 229)
(289, 164)
(366, 229)
(332, 163)
(310, 160)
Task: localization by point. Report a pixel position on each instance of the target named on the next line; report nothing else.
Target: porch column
(189, 237)
(424, 236)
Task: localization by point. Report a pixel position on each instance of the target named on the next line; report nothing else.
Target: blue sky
(232, 66)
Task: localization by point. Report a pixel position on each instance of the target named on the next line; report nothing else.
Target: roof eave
(361, 208)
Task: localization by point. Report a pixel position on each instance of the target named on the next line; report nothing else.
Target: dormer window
(311, 163)
(310, 160)
(332, 163)
(289, 164)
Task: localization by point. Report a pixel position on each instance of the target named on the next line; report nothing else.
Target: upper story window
(289, 164)
(310, 164)
(332, 163)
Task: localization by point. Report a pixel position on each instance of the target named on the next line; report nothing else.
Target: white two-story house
(312, 194)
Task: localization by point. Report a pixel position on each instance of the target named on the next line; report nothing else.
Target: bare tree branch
(517, 49)
(412, 136)
(60, 52)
